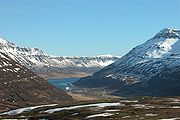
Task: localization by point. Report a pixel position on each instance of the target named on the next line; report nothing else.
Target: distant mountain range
(36, 60)
(152, 68)
(20, 87)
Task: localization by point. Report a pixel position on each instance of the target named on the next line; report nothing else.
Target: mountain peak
(164, 44)
(148, 69)
(168, 33)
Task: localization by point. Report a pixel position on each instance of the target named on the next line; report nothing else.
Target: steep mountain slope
(40, 62)
(21, 87)
(155, 61)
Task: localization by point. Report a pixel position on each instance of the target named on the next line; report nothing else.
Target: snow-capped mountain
(19, 54)
(40, 62)
(20, 87)
(157, 56)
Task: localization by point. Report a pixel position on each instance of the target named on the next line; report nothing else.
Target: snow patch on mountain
(164, 44)
(2, 41)
(107, 55)
(36, 60)
(145, 66)
(164, 48)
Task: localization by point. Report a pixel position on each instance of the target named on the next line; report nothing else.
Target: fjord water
(62, 83)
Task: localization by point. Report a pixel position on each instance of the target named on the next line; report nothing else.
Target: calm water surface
(62, 83)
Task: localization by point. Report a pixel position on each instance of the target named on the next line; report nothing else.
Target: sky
(85, 27)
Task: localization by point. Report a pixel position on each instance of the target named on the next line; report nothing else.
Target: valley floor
(54, 75)
(140, 108)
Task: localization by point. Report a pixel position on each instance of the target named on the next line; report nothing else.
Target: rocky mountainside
(20, 87)
(151, 68)
(40, 62)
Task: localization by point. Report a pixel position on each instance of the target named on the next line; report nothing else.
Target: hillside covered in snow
(150, 67)
(36, 60)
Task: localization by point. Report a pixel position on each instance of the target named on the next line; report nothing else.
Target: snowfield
(40, 62)
(27, 109)
(99, 115)
(82, 106)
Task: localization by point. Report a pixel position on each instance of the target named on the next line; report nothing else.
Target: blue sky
(85, 27)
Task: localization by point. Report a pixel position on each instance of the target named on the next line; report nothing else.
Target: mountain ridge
(20, 87)
(140, 65)
(40, 62)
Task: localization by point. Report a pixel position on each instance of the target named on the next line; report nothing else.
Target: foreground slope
(20, 87)
(135, 108)
(36, 60)
(152, 68)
